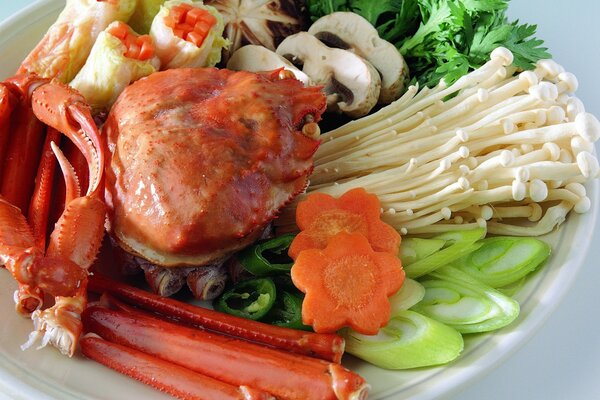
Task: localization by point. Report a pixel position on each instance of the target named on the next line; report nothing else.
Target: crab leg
(77, 237)
(27, 263)
(7, 104)
(162, 375)
(285, 375)
(326, 346)
(39, 207)
(24, 145)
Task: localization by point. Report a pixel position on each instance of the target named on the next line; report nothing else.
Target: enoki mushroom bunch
(495, 149)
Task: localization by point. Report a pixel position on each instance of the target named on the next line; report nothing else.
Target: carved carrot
(321, 216)
(347, 284)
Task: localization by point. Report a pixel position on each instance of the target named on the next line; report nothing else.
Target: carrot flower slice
(322, 216)
(347, 284)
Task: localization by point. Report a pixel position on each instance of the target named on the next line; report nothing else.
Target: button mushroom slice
(254, 58)
(350, 31)
(351, 83)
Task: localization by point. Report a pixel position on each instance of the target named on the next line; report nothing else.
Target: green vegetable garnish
(286, 312)
(457, 244)
(414, 249)
(444, 39)
(409, 340)
(462, 302)
(409, 294)
(267, 257)
(251, 299)
(501, 261)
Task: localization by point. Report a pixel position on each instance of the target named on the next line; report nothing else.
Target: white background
(562, 361)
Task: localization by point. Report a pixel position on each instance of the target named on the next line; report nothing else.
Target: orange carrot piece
(320, 217)
(347, 284)
(146, 47)
(190, 23)
(178, 13)
(119, 30)
(195, 38)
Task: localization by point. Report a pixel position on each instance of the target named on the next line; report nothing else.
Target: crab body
(200, 160)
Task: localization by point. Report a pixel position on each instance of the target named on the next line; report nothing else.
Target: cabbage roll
(188, 34)
(118, 58)
(67, 44)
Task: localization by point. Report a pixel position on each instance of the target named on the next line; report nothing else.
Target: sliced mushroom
(350, 31)
(352, 84)
(256, 58)
(262, 22)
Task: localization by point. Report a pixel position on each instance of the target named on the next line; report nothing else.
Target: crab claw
(65, 109)
(55, 275)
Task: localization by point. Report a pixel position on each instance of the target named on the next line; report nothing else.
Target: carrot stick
(162, 375)
(237, 362)
(326, 346)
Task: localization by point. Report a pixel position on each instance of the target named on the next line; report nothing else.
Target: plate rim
(528, 326)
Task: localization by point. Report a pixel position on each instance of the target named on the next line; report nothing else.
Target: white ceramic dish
(45, 374)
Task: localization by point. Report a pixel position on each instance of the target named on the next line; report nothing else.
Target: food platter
(46, 374)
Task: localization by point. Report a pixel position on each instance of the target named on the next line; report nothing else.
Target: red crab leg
(24, 145)
(326, 346)
(7, 104)
(27, 263)
(28, 299)
(162, 375)
(78, 233)
(39, 207)
(285, 375)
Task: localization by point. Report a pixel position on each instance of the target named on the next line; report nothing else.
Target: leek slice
(409, 340)
(409, 294)
(503, 260)
(457, 244)
(462, 302)
(414, 249)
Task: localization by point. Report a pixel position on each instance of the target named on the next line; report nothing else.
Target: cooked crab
(200, 160)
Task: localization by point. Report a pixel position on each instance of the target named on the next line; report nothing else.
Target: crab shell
(200, 160)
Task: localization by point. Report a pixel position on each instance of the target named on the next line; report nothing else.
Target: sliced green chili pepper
(268, 257)
(251, 299)
(287, 311)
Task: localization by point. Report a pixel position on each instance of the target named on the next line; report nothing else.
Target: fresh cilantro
(443, 39)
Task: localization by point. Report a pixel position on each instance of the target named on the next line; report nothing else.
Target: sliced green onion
(251, 299)
(458, 244)
(462, 302)
(503, 260)
(414, 249)
(267, 257)
(286, 312)
(409, 340)
(409, 294)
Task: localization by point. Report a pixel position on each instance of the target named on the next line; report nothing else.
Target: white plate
(45, 374)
